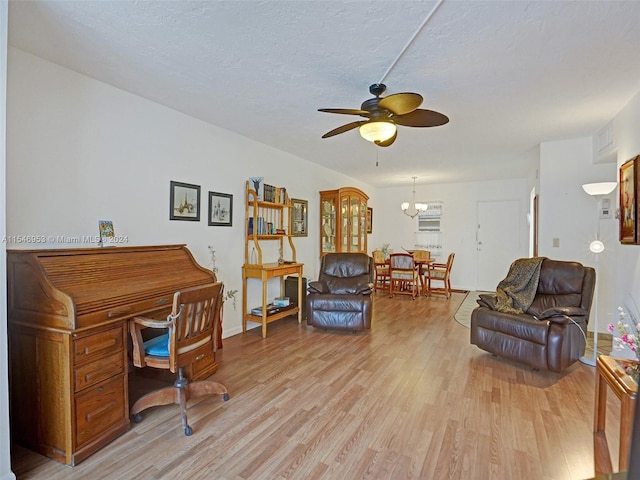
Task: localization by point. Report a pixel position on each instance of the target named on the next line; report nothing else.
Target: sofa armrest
(550, 313)
(364, 288)
(317, 287)
(560, 319)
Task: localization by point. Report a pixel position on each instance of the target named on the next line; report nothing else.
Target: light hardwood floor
(409, 399)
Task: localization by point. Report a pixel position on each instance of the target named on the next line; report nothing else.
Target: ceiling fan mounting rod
(404, 49)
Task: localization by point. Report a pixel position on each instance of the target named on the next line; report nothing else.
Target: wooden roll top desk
(67, 320)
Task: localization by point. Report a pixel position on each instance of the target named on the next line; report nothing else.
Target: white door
(498, 241)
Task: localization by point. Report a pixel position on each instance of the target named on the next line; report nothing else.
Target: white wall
(80, 150)
(458, 219)
(627, 141)
(568, 214)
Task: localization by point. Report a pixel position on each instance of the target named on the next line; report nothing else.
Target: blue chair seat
(157, 346)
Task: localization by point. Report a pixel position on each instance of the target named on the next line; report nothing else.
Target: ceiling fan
(383, 114)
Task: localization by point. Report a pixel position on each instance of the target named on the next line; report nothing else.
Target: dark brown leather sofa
(545, 337)
(341, 297)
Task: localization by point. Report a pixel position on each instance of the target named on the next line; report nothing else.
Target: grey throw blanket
(516, 292)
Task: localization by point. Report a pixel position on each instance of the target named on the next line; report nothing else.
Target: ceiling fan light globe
(377, 131)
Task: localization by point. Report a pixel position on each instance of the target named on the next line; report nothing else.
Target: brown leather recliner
(341, 297)
(545, 337)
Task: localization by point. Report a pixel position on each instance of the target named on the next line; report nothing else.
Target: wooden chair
(403, 275)
(423, 269)
(192, 329)
(441, 272)
(381, 280)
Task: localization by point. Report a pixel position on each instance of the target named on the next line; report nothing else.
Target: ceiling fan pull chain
(433, 10)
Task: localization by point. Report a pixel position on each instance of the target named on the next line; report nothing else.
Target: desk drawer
(95, 372)
(99, 408)
(203, 367)
(288, 271)
(97, 345)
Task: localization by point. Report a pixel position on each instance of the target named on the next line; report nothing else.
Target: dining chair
(191, 331)
(420, 256)
(441, 272)
(381, 268)
(403, 275)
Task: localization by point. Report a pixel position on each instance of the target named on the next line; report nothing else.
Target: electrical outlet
(556, 242)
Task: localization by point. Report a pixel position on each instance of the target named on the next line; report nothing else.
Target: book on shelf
(269, 193)
(271, 309)
(261, 227)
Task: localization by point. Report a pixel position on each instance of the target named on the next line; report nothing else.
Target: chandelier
(417, 207)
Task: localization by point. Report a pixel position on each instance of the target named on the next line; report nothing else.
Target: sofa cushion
(339, 285)
(346, 265)
(560, 285)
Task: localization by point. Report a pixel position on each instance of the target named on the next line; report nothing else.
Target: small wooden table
(264, 272)
(610, 373)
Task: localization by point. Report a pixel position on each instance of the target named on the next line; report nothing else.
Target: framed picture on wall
(629, 201)
(184, 201)
(369, 219)
(299, 217)
(220, 209)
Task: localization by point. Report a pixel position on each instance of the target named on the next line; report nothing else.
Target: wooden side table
(610, 372)
(265, 272)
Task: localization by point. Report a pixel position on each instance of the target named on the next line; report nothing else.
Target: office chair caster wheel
(225, 396)
(137, 418)
(188, 431)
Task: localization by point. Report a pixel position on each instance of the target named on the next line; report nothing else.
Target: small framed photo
(369, 219)
(105, 227)
(257, 184)
(184, 203)
(299, 217)
(220, 209)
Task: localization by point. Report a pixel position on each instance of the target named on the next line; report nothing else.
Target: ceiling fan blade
(345, 111)
(388, 142)
(421, 118)
(344, 128)
(401, 103)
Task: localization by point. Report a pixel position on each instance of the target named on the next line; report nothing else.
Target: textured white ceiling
(509, 74)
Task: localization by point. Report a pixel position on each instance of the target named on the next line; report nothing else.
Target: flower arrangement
(229, 294)
(386, 250)
(627, 327)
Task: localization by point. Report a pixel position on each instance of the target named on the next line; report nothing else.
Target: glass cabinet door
(345, 224)
(355, 225)
(328, 225)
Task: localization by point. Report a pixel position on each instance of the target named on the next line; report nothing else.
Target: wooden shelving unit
(268, 222)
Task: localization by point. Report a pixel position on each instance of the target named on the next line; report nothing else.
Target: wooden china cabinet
(343, 225)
